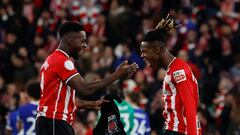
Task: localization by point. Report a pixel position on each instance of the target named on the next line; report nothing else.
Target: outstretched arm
(88, 88)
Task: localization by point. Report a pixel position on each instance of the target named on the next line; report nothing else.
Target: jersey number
(31, 131)
(125, 117)
(139, 128)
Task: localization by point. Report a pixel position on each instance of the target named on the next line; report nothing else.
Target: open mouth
(147, 63)
(81, 52)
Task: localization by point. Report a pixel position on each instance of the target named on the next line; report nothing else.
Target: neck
(166, 58)
(63, 47)
(32, 100)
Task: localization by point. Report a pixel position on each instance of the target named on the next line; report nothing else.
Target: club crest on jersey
(179, 76)
(68, 64)
(112, 124)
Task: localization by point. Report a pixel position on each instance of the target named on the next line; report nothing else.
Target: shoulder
(138, 110)
(22, 109)
(59, 60)
(179, 70)
(13, 115)
(178, 63)
(57, 57)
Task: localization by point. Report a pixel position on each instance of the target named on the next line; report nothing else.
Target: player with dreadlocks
(180, 88)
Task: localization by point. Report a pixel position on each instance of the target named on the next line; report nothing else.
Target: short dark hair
(33, 89)
(70, 26)
(135, 97)
(115, 89)
(156, 35)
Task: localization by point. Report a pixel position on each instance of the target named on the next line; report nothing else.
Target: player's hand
(126, 70)
(97, 105)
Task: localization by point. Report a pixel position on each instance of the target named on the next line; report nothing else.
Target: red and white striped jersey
(180, 98)
(57, 98)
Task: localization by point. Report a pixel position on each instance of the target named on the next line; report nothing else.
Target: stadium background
(209, 40)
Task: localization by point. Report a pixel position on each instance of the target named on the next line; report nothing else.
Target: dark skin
(74, 44)
(156, 54)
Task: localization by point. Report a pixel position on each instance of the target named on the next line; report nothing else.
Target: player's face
(78, 44)
(149, 54)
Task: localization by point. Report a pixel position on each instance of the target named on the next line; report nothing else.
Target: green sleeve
(127, 116)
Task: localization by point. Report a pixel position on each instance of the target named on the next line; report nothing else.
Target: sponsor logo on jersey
(179, 76)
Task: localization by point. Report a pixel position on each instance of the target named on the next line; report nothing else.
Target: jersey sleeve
(148, 127)
(66, 69)
(182, 79)
(12, 119)
(8, 124)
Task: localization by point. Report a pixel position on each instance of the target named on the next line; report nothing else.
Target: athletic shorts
(168, 132)
(47, 126)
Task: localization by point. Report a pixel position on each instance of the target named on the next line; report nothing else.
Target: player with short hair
(180, 88)
(125, 109)
(141, 118)
(12, 125)
(61, 82)
(27, 113)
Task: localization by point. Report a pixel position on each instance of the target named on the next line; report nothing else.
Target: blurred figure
(233, 100)
(222, 108)
(182, 54)
(141, 119)
(28, 112)
(12, 102)
(88, 14)
(13, 127)
(125, 109)
(124, 52)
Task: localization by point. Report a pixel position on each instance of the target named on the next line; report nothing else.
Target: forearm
(91, 87)
(84, 103)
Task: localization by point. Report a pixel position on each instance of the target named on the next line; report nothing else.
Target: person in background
(125, 109)
(141, 119)
(13, 127)
(27, 113)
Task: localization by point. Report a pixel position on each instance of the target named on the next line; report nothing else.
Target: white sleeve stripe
(71, 77)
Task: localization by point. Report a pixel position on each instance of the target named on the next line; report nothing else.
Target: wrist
(115, 76)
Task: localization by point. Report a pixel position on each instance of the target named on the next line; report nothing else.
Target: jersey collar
(63, 52)
(34, 102)
(171, 62)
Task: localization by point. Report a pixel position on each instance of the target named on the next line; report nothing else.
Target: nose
(142, 55)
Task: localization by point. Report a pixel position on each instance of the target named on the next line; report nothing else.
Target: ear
(157, 49)
(69, 40)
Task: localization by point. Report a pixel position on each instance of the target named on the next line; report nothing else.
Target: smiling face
(150, 53)
(77, 44)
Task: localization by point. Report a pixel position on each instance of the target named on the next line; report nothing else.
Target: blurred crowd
(208, 40)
